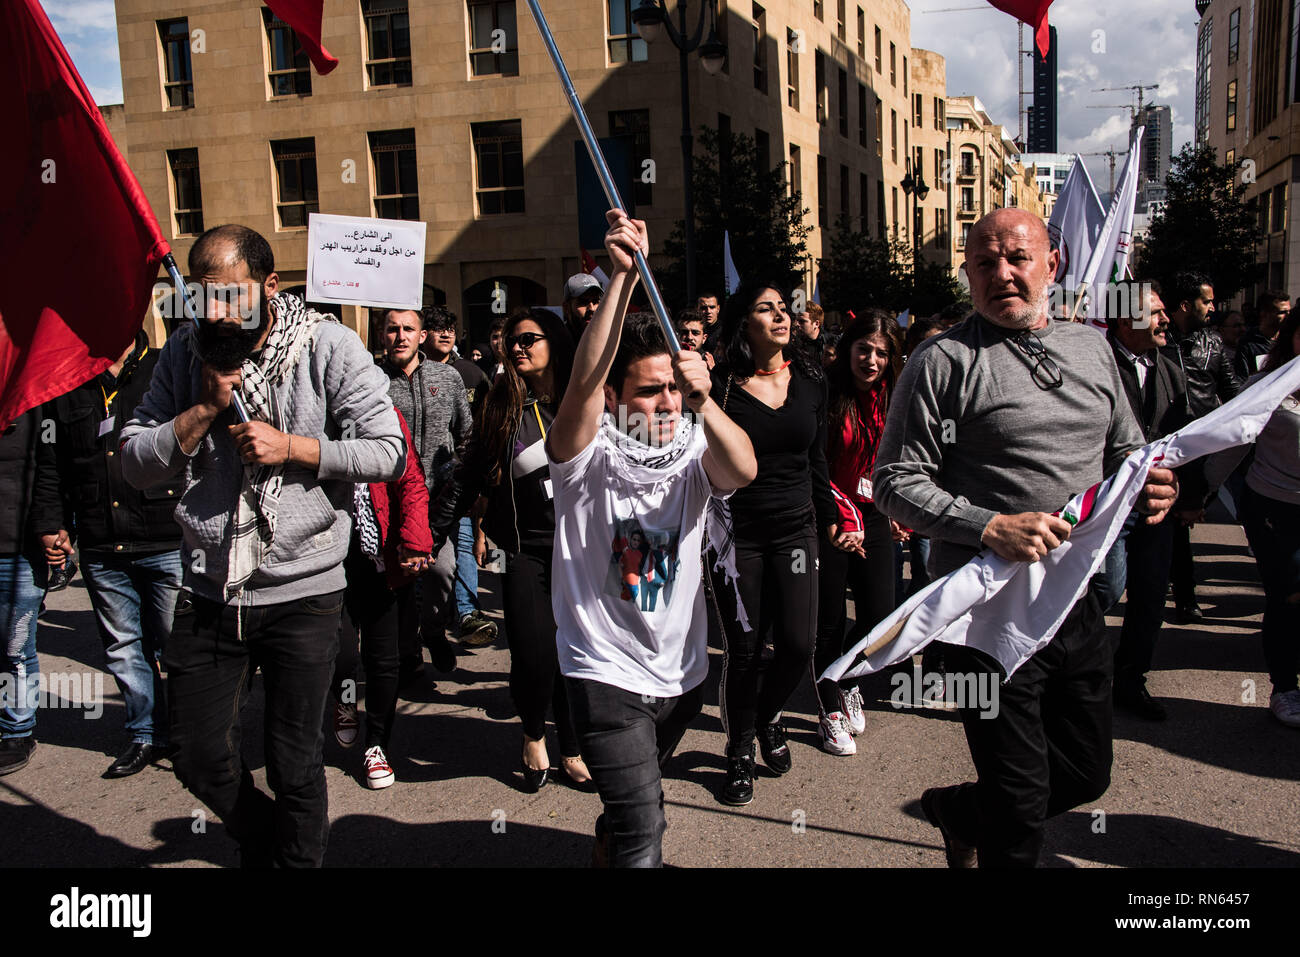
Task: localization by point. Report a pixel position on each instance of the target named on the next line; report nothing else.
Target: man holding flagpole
(995, 424)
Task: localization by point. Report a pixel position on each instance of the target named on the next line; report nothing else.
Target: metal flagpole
(602, 171)
(169, 263)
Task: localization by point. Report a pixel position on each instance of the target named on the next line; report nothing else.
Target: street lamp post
(652, 22)
(918, 190)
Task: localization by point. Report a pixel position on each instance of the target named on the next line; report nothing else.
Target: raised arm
(729, 460)
(579, 414)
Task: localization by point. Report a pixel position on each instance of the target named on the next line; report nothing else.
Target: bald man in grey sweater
(993, 427)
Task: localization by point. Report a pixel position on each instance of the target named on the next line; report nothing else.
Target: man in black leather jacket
(1211, 381)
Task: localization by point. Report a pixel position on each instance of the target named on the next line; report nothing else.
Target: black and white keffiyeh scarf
(256, 510)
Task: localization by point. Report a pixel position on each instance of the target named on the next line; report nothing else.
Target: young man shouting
(639, 475)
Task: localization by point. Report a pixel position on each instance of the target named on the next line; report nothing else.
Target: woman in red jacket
(390, 545)
(860, 381)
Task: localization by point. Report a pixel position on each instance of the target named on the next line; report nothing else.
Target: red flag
(1032, 12)
(79, 243)
(305, 17)
(588, 263)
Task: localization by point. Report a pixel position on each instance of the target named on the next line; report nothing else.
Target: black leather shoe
(738, 790)
(534, 781)
(15, 753)
(1189, 614)
(959, 853)
(135, 759)
(1137, 700)
(773, 747)
(442, 654)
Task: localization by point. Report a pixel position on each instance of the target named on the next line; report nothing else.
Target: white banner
(358, 261)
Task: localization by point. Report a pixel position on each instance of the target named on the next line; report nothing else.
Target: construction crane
(1117, 106)
(1140, 87)
(1110, 154)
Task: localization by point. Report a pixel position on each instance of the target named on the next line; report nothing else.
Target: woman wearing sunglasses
(506, 462)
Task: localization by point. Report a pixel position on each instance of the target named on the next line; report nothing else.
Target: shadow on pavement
(1151, 840)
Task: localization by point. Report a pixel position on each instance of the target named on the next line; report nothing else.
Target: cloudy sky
(1144, 41)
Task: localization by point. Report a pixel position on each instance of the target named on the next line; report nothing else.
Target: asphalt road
(1215, 785)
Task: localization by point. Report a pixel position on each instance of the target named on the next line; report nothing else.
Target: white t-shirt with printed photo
(625, 578)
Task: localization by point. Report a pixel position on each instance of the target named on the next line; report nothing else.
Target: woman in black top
(764, 570)
(506, 461)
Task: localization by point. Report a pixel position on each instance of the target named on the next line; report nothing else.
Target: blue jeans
(22, 589)
(466, 569)
(134, 598)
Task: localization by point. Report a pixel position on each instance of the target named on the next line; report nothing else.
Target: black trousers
(777, 566)
(372, 606)
(536, 685)
(1273, 530)
(1149, 550)
(872, 581)
(626, 740)
(1182, 571)
(208, 675)
(1047, 751)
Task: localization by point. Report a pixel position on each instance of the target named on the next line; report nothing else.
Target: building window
(792, 69)
(625, 44)
(763, 147)
(1232, 105)
(968, 199)
(1279, 208)
(819, 84)
(918, 162)
(938, 113)
(965, 234)
(178, 80)
(893, 65)
(906, 74)
(388, 42)
(818, 10)
(1230, 158)
(879, 68)
(862, 116)
(821, 191)
(938, 165)
(839, 21)
(796, 171)
(295, 181)
(844, 190)
(864, 191)
(862, 34)
(485, 19)
(940, 230)
(880, 210)
(1203, 79)
(1234, 35)
(636, 124)
(880, 129)
(918, 109)
(760, 48)
(967, 163)
(397, 191)
(187, 196)
(499, 166)
(842, 101)
(1269, 31)
(893, 207)
(893, 135)
(290, 72)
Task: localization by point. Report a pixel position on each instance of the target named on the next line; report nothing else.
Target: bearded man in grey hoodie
(266, 521)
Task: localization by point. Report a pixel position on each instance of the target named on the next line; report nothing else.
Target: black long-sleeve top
(790, 446)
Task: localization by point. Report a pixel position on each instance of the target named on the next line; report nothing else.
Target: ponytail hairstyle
(500, 413)
(737, 356)
(843, 388)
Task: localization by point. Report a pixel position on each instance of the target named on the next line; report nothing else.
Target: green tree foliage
(858, 270)
(733, 193)
(1206, 226)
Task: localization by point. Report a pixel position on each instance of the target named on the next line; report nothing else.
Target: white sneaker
(346, 724)
(834, 731)
(1286, 708)
(853, 710)
(378, 773)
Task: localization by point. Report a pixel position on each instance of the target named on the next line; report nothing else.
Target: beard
(1028, 315)
(226, 351)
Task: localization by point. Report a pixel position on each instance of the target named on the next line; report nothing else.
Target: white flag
(1109, 256)
(729, 267)
(817, 290)
(1076, 222)
(1010, 610)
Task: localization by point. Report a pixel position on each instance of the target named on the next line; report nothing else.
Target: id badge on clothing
(106, 426)
(864, 489)
(549, 489)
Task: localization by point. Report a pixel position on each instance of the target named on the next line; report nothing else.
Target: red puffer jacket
(403, 507)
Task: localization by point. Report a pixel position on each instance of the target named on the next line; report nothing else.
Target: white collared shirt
(1142, 363)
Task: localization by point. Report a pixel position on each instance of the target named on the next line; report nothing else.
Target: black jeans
(1273, 530)
(1047, 751)
(209, 672)
(1182, 569)
(1150, 549)
(626, 740)
(536, 684)
(777, 565)
(372, 606)
(872, 581)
